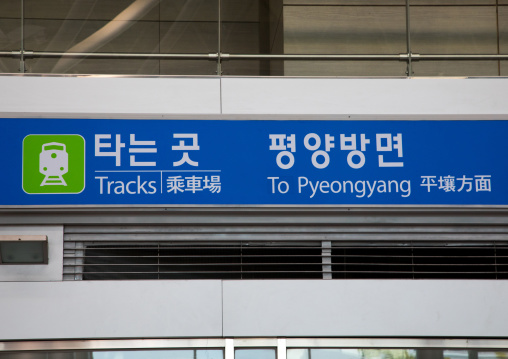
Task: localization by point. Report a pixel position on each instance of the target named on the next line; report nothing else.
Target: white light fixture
(23, 249)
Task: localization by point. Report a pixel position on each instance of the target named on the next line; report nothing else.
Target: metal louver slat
(225, 260)
(285, 252)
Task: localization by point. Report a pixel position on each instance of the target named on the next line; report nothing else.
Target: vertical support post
(219, 44)
(229, 350)
(22, 50)
(498, 38)
(264, 36)
(408, 39)
(326, 259)
(281, 348)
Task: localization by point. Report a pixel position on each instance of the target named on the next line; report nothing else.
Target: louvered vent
(285, 252)
(420, 260)
(232, 260)
(279, 260)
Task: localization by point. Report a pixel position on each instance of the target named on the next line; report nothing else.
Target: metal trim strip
(126, 344)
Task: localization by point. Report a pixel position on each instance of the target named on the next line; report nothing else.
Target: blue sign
(220, 162)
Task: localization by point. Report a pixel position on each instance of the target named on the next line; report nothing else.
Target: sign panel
(220, 162)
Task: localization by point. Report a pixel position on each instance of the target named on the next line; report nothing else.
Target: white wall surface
(26, 95)
(36, 272)
(364, 96)
(298, 308)
(119, 309)
(142, 309)
(153, 97)
(349, 308)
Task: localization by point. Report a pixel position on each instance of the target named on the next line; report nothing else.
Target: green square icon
(53, 164)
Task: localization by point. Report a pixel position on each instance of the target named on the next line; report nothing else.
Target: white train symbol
(53, 164)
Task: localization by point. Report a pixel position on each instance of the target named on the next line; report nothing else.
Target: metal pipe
(109, 55)
(464, 57)
(309, 57)
(214, 56)
(219, 35)
(408, 39)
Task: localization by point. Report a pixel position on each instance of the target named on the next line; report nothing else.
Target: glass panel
(189, 26)
(255, 354)
(145, 354)
(189, 10)
(492, 355)
(44, 355)
(345, 68)
(453, 2)
(241, 38)
(456, 68)
(351, 354)
(114, 66)
(79, 26)
(335, 354)
(92, 66)
(253, 67)
(242, 26)
(10, 25)
(121, 26)
(124, 354)
(455, 354)
(453, 29)
(188, 37)
(344, 30)
(10, 9)
(346, 2)
(297, 354)
(209, 354)
(388, 353)
(316, 27)
(188, 67)
(9, 65)
(313, 27)
(503, 29)
(10, 34)
(256, 27)
(91, 9)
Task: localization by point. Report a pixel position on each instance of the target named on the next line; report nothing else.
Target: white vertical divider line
(281, 348)
(229, 352)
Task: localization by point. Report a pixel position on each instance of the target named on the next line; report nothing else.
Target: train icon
(53, 164)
